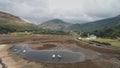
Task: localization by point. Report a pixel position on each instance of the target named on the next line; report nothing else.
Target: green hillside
(103, 28)
(112, 32)
(11, 23)
(96, 25)
(57, 24)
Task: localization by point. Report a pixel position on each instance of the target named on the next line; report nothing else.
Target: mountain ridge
(15, 23)
(96, 25)
(12, 19)
(55, 24)
(11, 23)
(90, 26)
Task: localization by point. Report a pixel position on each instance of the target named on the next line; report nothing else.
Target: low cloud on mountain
(38, 11)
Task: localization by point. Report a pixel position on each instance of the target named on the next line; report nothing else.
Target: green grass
(114, 42)
(22, 33)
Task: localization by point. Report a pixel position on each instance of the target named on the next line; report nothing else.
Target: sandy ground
(6, 59)
(108, 59)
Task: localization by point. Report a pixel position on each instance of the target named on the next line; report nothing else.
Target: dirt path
(6, 59)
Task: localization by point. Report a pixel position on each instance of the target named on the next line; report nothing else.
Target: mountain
(7, 18)
(55, 24)
(96, 25)
(11, 23)
(112, 32)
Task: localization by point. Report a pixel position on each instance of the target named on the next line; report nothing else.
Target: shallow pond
(66, 56)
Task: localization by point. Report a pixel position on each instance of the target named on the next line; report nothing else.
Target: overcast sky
(37, 11)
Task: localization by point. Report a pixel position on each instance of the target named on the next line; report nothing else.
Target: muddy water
(46, 55)
(67, 56)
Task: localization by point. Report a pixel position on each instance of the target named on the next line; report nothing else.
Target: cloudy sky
(38, 11)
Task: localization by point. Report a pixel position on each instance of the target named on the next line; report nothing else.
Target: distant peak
(56, 19)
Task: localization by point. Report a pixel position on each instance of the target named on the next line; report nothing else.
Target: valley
(26, 45)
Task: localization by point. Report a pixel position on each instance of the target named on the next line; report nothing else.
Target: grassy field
(114, 42)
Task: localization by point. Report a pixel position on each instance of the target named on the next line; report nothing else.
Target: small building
(79, 38)
(92, 36)
(118, 38)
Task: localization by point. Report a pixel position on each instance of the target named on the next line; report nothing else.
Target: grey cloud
(38, 11)
(102, 8)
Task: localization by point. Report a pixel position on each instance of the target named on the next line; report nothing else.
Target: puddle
(55, 55)
(61, 56)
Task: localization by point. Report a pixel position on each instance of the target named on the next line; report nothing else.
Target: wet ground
(67, 47)
(51, 56)
(73, 56)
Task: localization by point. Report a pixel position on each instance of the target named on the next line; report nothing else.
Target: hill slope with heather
(11, 23)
